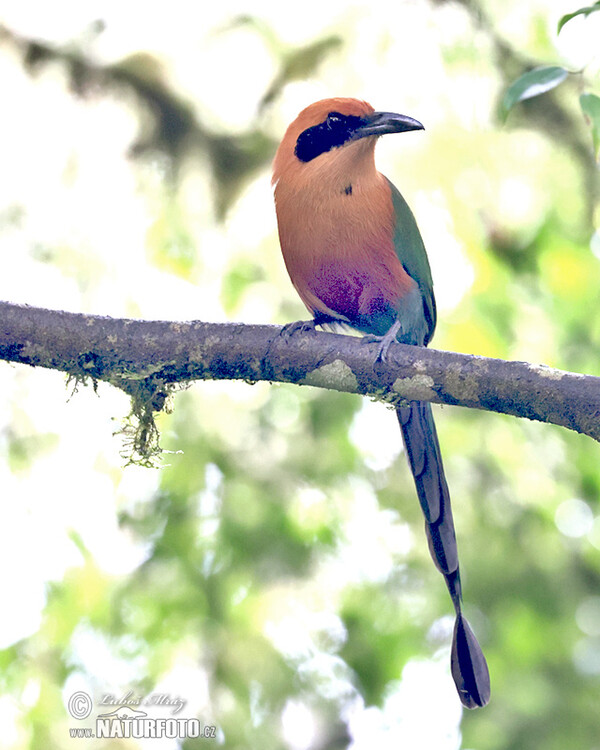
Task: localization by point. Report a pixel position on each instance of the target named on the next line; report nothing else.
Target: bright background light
(96, 212)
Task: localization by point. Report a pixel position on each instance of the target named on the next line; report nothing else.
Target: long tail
(468, 665)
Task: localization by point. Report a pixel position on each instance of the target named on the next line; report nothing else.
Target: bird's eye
(333, 119)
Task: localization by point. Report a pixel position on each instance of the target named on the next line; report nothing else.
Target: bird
(355, 255)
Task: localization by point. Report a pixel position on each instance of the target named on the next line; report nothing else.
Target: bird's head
(335, 135)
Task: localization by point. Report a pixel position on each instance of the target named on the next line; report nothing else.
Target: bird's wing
(411, 252)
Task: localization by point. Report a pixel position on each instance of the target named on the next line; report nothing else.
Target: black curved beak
(381, 123)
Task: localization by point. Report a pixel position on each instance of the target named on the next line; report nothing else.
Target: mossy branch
(148, 359)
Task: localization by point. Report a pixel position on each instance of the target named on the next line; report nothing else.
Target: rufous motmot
(355, 255)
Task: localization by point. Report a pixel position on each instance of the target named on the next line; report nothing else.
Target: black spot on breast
(348, 190)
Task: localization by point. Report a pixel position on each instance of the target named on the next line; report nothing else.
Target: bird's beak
(380, 123)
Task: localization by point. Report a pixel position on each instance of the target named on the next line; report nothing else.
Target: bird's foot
(298, 326)
(384, 341)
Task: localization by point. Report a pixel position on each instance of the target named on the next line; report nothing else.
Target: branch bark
(146, 358)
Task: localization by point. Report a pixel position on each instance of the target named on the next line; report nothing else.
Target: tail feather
(469, 668)
(423, 450)
(415, 446)
(442, 541)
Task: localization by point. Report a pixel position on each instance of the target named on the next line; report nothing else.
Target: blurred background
(273, 571)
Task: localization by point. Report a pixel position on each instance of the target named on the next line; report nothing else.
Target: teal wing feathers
(411, 253)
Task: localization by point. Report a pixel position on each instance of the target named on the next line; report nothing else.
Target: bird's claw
(298, 326)
(384, 341)
(383, 347)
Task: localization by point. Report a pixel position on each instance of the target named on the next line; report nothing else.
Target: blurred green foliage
(282, 566)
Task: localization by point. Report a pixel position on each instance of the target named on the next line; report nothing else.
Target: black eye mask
(333, 132)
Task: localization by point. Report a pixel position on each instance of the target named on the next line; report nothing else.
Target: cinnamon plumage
(355, 255)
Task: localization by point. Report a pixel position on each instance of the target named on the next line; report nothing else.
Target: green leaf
(299, 64)
(533, 83)
(590, 105)
(581, 12)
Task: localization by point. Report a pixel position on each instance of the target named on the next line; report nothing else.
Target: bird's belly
(360, 285)
(354, 295)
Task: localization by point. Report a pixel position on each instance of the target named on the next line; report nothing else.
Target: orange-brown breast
(336, 229)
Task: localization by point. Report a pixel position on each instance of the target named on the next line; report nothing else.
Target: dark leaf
(581, 12)
(533, 83)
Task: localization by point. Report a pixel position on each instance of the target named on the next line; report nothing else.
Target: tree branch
(145, 358)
